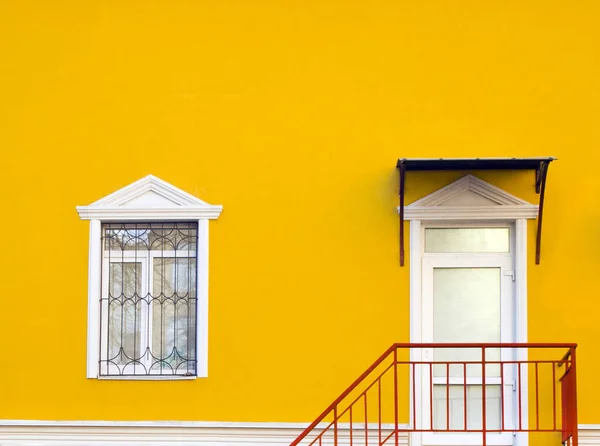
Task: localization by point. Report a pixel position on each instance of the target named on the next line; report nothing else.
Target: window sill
(147, 378)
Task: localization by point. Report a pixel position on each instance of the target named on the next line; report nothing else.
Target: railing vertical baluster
(554, 365)
(351, 428)
(574, 422)
(502, 395)
(431, 396)
(366, 422)
(335, 426)
(519, 395)
(379, 407)
(465, 394)
(483, 398)
(447, 396)
(396, 394)
(537, 398)
(414, 401)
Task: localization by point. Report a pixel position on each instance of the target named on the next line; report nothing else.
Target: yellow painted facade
(292, 115)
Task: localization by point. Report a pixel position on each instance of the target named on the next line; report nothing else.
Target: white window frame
(153, 200)
(497, 206)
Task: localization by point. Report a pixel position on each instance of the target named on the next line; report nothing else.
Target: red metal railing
(478, 390)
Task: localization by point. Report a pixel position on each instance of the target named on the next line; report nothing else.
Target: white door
(467, 298)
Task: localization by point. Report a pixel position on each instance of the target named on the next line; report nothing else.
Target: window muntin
(148, 299)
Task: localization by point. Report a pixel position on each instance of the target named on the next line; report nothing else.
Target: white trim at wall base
(168, 433)
(589, 434)
(172, 433)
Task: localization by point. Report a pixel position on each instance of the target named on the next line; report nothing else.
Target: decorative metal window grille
(148, 300)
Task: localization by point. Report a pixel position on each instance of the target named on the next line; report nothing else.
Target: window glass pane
(466, 308)
(126, 237)
(124, 319)
(173, 312)
(458, 240)
(174, 276)
(167, 237)
(155, 236)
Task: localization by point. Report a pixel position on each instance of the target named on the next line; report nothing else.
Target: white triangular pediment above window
(149, 198)
(470, 198)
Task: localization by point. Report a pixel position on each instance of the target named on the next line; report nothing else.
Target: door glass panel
(466, 308)
(474, 408)
(446, 240)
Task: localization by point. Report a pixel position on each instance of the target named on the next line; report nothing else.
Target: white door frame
(520, 302)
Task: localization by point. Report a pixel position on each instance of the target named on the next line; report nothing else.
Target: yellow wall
(291, 114)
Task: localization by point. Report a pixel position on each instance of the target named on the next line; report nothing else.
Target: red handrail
(567, 381)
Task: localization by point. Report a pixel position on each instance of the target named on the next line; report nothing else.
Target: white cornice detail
(471, 212)
(164, 214)
(147, 199)
(480, 201)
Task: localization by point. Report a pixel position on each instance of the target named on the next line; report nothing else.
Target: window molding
(470, 200)
(149, 199)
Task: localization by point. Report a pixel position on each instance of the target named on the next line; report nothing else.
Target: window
(148, 283)
(148, 300)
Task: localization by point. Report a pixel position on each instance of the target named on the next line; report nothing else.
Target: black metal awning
(539, 165)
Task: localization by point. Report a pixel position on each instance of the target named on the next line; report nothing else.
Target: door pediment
(470, 198)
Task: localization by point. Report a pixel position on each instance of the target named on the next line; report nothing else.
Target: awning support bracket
(402, 178)
(540, 187)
